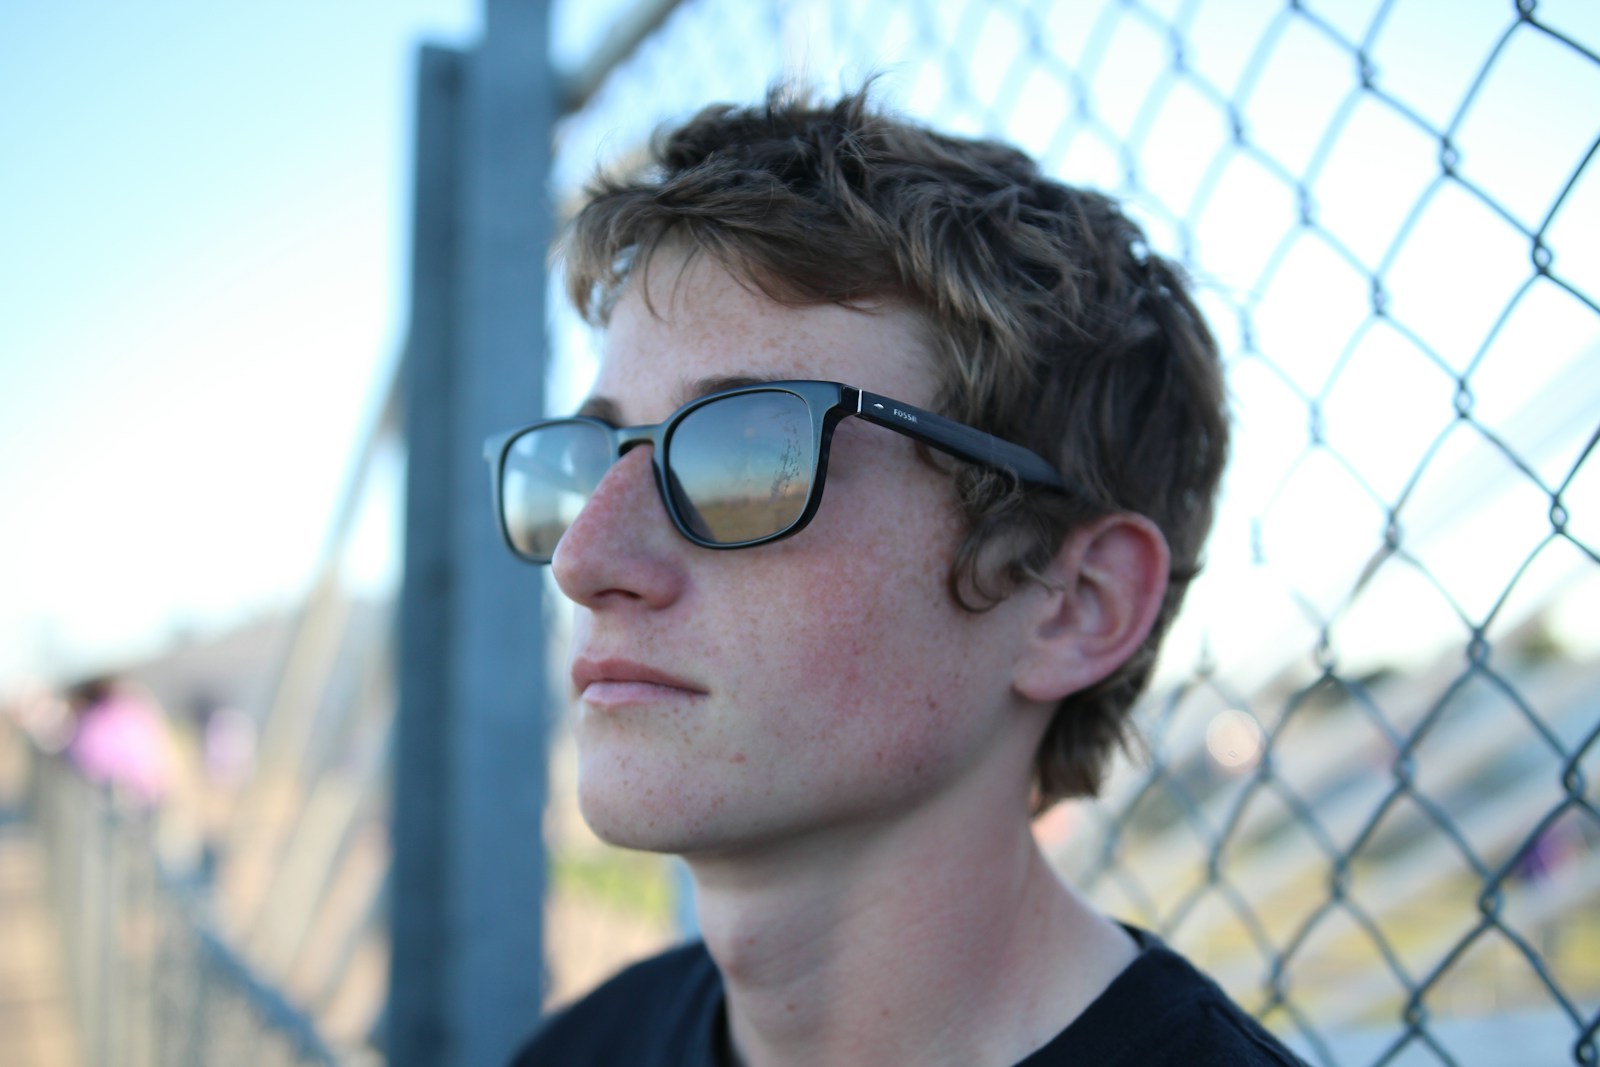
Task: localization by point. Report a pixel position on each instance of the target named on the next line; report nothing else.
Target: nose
(622, 548)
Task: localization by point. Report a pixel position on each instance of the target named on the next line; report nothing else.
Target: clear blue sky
(202, 245)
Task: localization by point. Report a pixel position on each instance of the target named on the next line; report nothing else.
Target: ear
(1106, 586)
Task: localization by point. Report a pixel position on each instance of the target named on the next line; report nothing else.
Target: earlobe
(1106, 585)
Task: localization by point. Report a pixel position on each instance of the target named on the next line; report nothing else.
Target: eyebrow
(602, 408)
(607, 410)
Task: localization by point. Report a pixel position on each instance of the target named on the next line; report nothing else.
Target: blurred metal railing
(151, 982)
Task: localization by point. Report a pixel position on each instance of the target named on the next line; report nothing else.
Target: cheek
(864, 660)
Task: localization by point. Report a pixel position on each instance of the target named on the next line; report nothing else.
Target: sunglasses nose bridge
(626, 438)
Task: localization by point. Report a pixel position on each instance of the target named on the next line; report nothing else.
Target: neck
(943, 938)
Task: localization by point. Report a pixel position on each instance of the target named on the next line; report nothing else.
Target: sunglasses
(735, 468)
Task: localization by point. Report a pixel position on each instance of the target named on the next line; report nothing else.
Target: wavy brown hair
(1051, 321)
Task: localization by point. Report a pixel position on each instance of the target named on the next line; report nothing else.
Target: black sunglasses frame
(833, 402)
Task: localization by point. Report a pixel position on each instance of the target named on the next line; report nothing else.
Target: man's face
(734, 698)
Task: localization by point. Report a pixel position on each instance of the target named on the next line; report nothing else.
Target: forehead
(688, 320)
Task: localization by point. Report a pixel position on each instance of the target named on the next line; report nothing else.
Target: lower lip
(633, 694)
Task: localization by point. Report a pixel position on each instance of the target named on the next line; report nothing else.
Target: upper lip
(587, 669)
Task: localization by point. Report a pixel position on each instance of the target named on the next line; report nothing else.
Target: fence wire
(1367, 797)
(149, 979)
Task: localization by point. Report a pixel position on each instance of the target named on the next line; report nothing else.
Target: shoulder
(662, 1010)
(1161, 1010)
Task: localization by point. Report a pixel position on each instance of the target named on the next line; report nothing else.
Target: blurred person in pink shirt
(121, 740)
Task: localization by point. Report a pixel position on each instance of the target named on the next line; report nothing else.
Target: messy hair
(1052, 325)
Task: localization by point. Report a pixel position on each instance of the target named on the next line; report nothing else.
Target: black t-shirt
(668, 1012)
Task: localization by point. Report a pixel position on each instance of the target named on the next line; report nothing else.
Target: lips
(617, 680)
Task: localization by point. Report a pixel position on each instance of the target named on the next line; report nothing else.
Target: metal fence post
(467, 959)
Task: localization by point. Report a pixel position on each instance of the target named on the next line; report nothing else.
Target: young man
(843, 708)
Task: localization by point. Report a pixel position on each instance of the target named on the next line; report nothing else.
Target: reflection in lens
(549, 474)
(740, 468)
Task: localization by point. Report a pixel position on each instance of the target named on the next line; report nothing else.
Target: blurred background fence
(152, 983)
(1367, 799)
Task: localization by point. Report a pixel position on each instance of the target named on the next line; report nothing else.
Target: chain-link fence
(1367, 801)
(149, 979)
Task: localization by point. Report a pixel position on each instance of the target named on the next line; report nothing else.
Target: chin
(662, 818)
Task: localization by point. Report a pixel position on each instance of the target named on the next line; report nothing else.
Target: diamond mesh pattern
(1368, 800)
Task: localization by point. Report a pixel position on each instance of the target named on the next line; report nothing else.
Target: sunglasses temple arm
(960, 441)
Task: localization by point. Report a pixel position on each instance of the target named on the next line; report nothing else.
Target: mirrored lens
(740, 468)
(549, 473)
